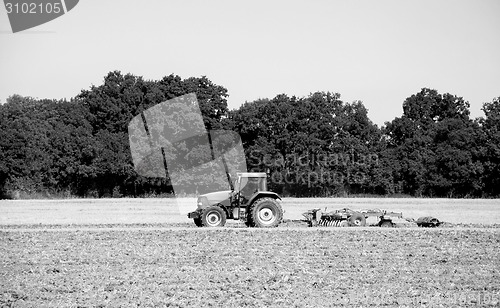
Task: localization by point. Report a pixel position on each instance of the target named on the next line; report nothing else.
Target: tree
(437, 146)
(81, 146)
(491, 147)
(40, 143)
(311, 146)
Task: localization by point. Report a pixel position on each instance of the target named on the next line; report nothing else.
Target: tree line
(316, 145)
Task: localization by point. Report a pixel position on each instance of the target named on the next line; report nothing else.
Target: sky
(379, 52)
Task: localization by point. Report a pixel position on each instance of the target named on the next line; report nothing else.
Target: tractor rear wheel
(265, 213)
(213, 216)
(357, 220)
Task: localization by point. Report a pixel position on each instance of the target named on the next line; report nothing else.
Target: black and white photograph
(249, 153)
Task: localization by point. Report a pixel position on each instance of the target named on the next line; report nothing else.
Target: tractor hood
(218, 197)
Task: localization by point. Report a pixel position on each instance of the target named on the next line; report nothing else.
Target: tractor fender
(263, 194)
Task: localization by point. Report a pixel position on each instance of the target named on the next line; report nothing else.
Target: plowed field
(141, 263)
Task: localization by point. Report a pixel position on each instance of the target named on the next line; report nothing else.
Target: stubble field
(169, 212)
(87, 254)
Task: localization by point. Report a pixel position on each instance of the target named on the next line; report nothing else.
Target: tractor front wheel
(197, 222)
(213, 216)
(265, 213)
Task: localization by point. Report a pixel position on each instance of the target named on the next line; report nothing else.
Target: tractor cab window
(262, 184)
(249, 186)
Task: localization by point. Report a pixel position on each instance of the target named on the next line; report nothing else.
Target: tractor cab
(247, 184)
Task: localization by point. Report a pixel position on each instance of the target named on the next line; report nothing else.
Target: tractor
(248, 200)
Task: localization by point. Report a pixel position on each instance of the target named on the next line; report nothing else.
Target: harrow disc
(326, 222)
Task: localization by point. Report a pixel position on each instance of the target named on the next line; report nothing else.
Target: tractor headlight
(202, 202)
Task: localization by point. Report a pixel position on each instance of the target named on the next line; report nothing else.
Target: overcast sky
(379, 52)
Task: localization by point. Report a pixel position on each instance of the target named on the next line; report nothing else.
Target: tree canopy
(316, 145)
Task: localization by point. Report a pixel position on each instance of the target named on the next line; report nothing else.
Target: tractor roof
(252, 174)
